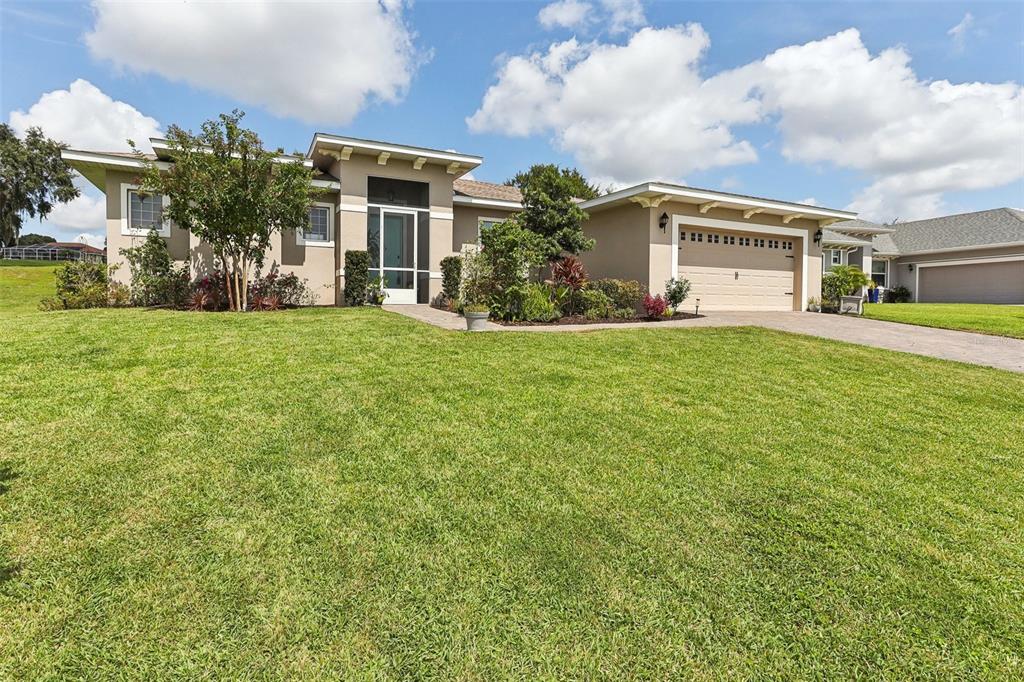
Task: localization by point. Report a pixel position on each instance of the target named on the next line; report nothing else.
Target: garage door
(974, 283)
(737, 271)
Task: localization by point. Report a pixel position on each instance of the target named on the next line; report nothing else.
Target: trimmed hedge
(451, 277)
(357, 276)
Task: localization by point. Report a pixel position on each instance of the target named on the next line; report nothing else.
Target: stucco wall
(622, 248)
(901, 274)
(312, 263)
(466, 221)
(352, 217)
(177, 243)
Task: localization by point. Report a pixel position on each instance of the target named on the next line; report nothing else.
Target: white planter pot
(476, 322)
(851, 305)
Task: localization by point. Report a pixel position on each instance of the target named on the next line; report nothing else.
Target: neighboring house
(409, 207)
(967, 258)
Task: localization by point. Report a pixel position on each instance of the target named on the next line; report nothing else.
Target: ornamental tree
(551, 209)
(33, 178)
(230, 192)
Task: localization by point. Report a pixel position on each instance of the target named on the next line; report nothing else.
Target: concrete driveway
(976, 349)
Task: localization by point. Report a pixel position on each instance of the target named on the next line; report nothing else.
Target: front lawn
(350, 494)
(1002, 320)
(23, 284)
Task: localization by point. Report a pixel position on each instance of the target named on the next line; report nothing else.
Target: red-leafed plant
(568, 272)
(655, 305)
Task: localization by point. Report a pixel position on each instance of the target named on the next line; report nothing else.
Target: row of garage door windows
(733, 240)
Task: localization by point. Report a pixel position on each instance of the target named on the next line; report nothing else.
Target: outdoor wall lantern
(817, 236)
(910, 266)
(663, 221)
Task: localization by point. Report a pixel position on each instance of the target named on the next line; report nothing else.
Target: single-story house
(967, 258)
(58, 251)
(410, 207)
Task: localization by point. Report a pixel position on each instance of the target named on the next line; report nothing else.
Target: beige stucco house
(973, 257)
(410, 207)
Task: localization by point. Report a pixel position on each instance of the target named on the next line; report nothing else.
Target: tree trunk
(227, 280)
(245, 281)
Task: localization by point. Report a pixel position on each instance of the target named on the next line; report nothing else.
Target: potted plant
(375, 293)
(476, 315)
(838, 287)
(813, 305)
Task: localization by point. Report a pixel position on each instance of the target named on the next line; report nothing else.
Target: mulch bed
(579, 319)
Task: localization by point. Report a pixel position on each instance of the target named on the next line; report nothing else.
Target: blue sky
(918, 111)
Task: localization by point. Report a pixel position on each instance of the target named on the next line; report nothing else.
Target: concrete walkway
(977, 349)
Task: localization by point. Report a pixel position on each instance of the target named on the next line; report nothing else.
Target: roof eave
(487, 203)
(457, 164)
(698, 196)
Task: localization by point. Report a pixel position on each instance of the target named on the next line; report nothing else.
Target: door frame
(400, 296)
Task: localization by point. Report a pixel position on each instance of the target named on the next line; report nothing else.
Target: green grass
(350, 494)
(1002, 320)
(24, 283)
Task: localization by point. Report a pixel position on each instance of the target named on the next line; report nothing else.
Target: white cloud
(624, 14)
(91, 239)
(809, 201)
(565, 14)
(917, 139)
(643, 111)
(959, 32)
(86, 118)
(627, 113)
(318, 62)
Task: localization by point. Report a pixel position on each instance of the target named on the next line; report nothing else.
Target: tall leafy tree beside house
(33, 179)
(551, 207)
(231, 193)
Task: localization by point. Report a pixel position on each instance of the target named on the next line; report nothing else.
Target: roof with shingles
(486, 190)
(981, 228)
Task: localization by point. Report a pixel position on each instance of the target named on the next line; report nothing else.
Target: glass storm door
(398, 255)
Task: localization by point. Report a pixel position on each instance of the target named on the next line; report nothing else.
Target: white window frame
(885, 275)
(479, 224)
(832, 257)
(329, 244)
(126, 213)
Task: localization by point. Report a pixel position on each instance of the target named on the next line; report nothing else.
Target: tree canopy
(580, 187)
(231, 193)
(551, 208)
(33, 179)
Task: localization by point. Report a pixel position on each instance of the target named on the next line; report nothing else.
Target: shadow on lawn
(8, 571)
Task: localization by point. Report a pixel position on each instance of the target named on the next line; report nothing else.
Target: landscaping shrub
(595, 304)
(655, 306)
(842, 280)
(80, 284)
(899, 294)
(155, 279)
(569, 272)
(475, 285)
(676, 291)
(209, 293)
(511, 251)
(451, 276)
(537, 304)
(275, 291)
(357, 275)
(625, 294)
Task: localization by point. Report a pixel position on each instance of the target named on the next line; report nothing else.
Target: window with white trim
(837, 257)
(320, 230)
(744, 241)
(142, 212)
(880, 272)
(712, 238)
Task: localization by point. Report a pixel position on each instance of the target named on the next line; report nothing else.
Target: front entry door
(398, 255)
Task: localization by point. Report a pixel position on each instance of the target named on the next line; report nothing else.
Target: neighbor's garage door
(974, 283)
(736, 271)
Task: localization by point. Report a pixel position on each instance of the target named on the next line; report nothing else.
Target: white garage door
(737, 271)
